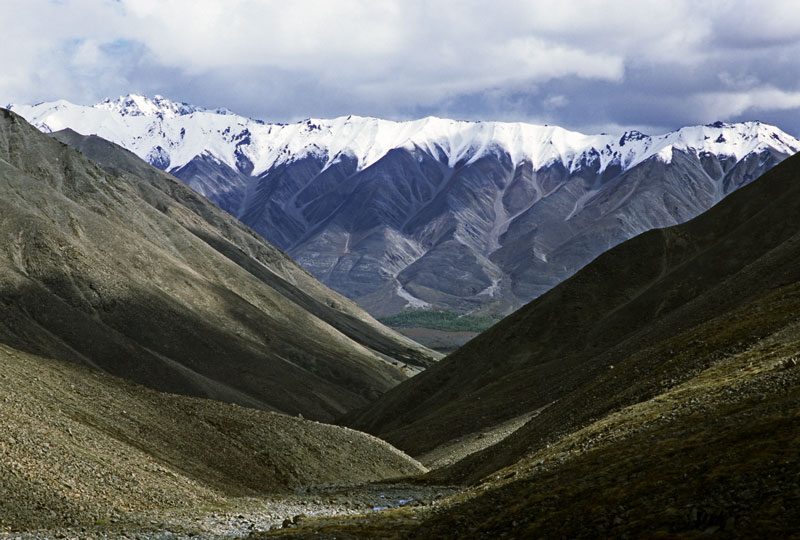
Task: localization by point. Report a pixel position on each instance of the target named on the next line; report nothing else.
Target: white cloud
(555, 101)
(366, 57)
(726, 104)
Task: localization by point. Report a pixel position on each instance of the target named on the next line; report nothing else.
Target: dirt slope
(79, 446)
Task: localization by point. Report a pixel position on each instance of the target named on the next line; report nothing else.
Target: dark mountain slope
(715, 455)
(106, 270)
(621, 331)
(238, 243)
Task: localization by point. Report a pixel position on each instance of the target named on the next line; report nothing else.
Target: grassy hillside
(79, 447)
(713, 456)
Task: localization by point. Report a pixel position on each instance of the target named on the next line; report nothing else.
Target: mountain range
(654, 393)
(433, 213)
(116, 265)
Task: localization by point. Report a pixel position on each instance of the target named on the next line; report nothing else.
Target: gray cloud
(584, 64)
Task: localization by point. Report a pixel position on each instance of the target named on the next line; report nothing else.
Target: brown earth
(84, 449)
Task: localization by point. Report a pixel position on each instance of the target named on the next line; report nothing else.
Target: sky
(591, 66)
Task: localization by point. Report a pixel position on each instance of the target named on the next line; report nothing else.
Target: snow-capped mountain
(461, 215)
(183, 131)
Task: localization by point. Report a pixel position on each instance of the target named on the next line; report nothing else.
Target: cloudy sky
(583, 64)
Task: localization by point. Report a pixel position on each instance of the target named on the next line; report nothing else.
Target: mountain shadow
(103, 268)
(645, 317)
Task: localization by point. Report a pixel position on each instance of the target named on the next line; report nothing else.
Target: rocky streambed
(246, 517)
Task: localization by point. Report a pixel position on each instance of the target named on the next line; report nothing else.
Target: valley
(125, 269)
(663, 375)
(353, 270)
(443, 331)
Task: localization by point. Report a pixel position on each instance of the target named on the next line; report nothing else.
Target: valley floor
(442, 341)
(244, 517)
(253, 516)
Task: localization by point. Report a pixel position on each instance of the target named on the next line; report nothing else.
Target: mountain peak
(140, 105)
(632, 135)
(173, 130)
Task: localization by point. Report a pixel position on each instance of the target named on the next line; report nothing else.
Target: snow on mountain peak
(174, 133)
(138, 105)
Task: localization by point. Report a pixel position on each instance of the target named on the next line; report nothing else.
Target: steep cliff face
(455, 215)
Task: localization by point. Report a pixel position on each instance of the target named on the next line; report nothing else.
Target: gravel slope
(81, 448)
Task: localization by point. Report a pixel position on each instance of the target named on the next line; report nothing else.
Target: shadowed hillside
(640, 320)
(138, 276)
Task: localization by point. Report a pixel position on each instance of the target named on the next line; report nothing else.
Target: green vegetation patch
(449, 321)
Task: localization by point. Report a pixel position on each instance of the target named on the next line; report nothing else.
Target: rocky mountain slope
(644, 319)
(81, 448)
(434, 213)
(127, 270)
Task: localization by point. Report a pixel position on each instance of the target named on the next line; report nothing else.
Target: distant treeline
(441, 320)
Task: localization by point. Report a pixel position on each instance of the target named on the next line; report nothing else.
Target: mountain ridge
(435, 213)
(136, 274)
(431, 133)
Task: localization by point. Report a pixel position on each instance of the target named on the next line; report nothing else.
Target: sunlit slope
(111, 271)
(82, 447)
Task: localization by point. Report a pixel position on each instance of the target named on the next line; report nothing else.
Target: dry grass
(78, 446)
